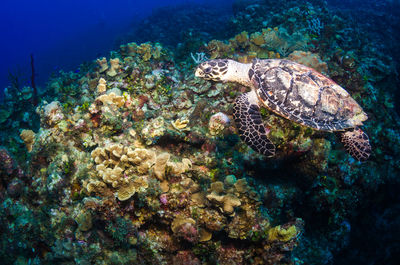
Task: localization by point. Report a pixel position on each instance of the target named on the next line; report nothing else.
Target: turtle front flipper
(246, 112)
(356, 143)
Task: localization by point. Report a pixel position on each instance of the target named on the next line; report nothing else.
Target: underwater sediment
(134, 160)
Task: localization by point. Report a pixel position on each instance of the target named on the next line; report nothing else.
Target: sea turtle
(293, 91)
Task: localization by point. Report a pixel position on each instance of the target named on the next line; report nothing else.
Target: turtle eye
(207, 70)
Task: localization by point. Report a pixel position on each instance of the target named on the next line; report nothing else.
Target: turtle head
(214, 70)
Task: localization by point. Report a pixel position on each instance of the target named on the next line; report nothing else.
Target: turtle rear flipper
(246, 112)
(356, 143)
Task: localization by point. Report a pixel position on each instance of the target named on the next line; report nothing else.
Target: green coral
(121, 230)
(67, 168)
(84, 106)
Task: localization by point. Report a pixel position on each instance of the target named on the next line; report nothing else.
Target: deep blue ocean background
(69, 35)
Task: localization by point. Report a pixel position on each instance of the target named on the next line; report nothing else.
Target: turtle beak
(199, 72)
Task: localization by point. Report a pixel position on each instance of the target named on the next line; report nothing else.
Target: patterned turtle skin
(295, 92)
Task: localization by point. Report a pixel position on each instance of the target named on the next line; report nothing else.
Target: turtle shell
(303, 95)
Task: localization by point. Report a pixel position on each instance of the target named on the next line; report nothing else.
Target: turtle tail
(246, 112)
(356, 143)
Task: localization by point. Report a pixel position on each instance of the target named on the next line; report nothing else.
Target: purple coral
(164, 199)
(6, 162)
(185, 258)
(9, 169)
(189, 232)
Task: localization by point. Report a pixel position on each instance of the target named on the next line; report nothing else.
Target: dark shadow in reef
(279, 171)
(374, 227)
(375, 230)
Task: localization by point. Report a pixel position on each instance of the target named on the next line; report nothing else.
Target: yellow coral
(95, 186)
(273, 55)
(143, 158)
(145, 50)
(126, 191)
(205, 235)
(241, 185)
(160, 165)
(112, 99)
(132, 133)
(141, 183)
(125, 169)
(242, 39)
(247, 58)
(177, 168)
(115, 149)
(102, 85)
(199, 199)
(103, 64)
(113, 176)
(227, 202)
(217, 187)
(282, 234)
(164, 186)
(28, 136)
(109, 166)
(132, 48)
(115, 66)
(230, 201)
(179, 221)
(180, 125)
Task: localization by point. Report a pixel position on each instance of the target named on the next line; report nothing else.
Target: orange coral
(257, 38)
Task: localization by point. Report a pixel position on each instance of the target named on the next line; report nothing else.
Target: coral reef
(218, 123)
(309, 59)
(133, 160)
(28, 136)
